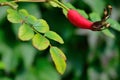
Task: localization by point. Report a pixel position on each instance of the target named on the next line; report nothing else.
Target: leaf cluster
(38, 31)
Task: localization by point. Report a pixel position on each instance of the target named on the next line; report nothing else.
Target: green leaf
(25, 32)
(108, 33)
(41, 26)
(94, 17)
(59, 59)
(114, 24)
(24, 14)
(54, 36)
(83, 13)
(13, 16)
(40, 42)
(31, 19)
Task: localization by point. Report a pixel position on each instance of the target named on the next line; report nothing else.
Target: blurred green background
(90, 55)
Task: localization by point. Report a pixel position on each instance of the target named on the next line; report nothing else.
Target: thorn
(107, 25)
(105, 12)
(109, 6)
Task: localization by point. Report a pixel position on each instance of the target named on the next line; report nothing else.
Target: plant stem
(56, 1)
(30, 1)
(60, 4)
(8, 4)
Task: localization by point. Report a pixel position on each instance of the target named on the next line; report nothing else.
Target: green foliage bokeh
(90, 55)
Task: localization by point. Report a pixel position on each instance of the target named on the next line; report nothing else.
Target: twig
(8, 4)
(30, 0)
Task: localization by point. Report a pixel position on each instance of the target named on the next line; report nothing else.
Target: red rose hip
(78, 20)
